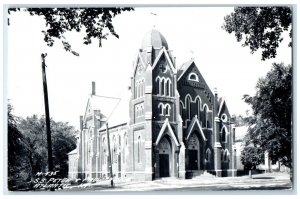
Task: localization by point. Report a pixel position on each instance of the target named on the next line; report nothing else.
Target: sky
(191, 32)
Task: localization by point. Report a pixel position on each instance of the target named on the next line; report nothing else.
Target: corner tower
(155, 121)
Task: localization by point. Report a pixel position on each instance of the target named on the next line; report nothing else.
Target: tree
(16, 149)
(63, 139)
(271, 124)
(251, 157)
(96, 22)
(260, 27)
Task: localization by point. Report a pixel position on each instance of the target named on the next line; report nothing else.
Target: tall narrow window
(225, 158)
(168, 108)
(205, 116)
(162, 87)
(157, 82)
(104, 151)
(181, 108)
(223, 134)
(198, 107)
(139, 149)
(167, 87)
(188, 107)
(143, 88)
(208, 155)
(222, 155)
(161, 109)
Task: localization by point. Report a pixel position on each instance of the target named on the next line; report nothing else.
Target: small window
(224, 118)
(168, 108)
(193, 77)
(161, 109)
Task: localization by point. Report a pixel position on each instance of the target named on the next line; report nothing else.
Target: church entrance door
(164, 158)
(164, 165)
(193, 153)
(193, 159)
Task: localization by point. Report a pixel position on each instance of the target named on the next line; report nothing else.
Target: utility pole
(109, 157)
(50, 159)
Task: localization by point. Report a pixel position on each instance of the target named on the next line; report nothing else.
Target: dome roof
(154, 38)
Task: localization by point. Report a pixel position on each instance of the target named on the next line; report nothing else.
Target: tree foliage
(97, 23)
(63, 139)
(32, 151)
(260, 27)
(271, 124)
(251, 157)
(16, 149)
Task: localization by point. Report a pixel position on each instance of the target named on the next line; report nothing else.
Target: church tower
(157, 135)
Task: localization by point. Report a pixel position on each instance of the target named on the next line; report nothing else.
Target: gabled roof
(103, 103)
(120, 113)
(170, 132)
(195, 124)
(142, 61)
(184, 67)
(163, 51)
(222, 104)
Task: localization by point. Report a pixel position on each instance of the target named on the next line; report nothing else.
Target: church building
(169, 124)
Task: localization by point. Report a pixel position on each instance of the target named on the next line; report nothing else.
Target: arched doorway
(193, 152)
(164, 153)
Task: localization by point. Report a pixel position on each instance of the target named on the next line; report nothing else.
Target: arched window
(223, 134)
(104, 150)
(198, 103)
(139, 149)
(157, 80)
(193, 77)
(162, 87)
(161, 109)
(205, 116)
(168, 109)
(181, 108)
(119, 139)
(188, 107)
(208, 155)
(114, 149)
(167, 87)
(226, 154)
(222, 155)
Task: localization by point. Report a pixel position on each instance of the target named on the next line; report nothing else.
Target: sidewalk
(204, 182)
